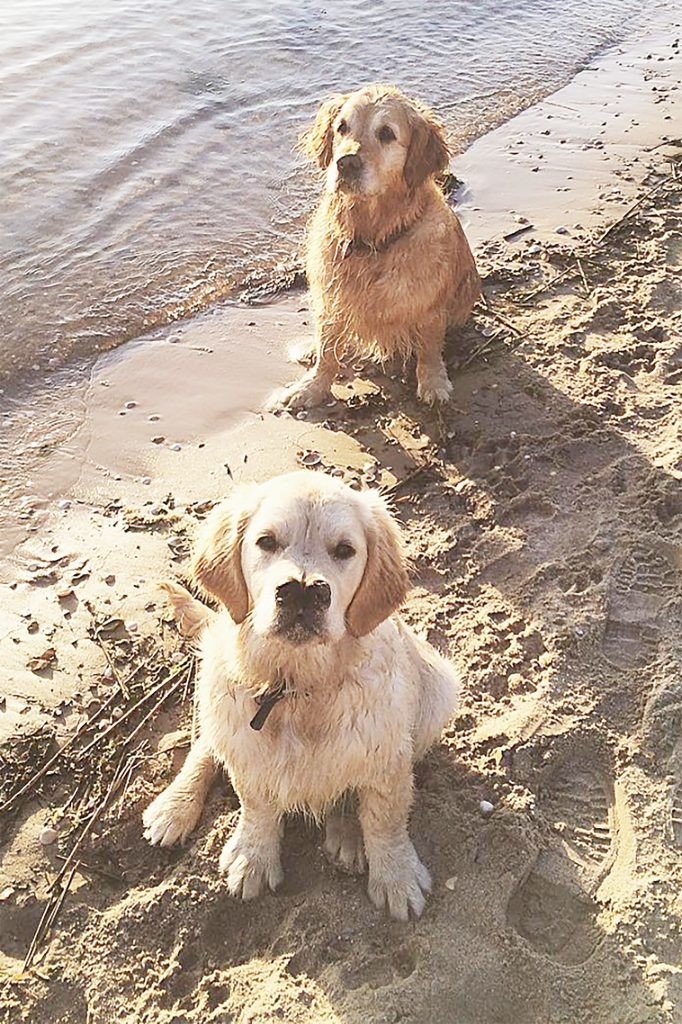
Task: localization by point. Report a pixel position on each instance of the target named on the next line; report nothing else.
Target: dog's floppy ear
(385, 582)
(316, 141)
(217, 561)
(428, 150)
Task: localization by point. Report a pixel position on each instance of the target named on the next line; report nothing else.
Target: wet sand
(543, 514)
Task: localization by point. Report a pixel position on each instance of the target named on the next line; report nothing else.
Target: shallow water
(146, 159)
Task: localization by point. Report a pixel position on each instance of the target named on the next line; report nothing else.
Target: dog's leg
(315, 386)
(175, 812)
(397, 877)
(433, 383)
(343, 842)
(250, 858)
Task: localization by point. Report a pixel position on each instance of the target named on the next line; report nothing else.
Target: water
(146, 162)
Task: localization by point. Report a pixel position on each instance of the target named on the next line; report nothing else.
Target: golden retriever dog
(388, 265)
(311, 690)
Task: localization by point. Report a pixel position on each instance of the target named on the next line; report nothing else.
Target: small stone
(108, 674)
(131, 405)
(64, 503)
(310, 458)
(146, 480)
(132, 627)
(6, 893)
(561, 230)
(48, 836)
(450, 884)
(159, 439)
(154, 418)
(110, 580)
(33, 627)
(486, 808)
(175, 447)
(157, 510)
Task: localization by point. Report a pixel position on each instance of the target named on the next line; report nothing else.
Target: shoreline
(542, 511)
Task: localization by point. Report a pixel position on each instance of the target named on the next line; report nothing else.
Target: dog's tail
(191, 615)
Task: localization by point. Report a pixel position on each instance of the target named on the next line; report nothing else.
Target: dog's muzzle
(301, 608)
(349, 169)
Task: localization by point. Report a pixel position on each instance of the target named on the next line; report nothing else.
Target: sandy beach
(543, 517)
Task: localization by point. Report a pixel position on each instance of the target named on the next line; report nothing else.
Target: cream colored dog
(310, 687)
(388, 265)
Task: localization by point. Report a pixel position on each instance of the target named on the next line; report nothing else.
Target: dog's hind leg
(303, 351)
(439, 687)
(175, 812)
(315, 386)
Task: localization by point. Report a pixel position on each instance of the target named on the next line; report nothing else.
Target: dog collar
(361, 247)
(266, 702)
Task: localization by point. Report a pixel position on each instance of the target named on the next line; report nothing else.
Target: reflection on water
(145, 147)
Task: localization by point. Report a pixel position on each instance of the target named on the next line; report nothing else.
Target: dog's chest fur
(318, 741)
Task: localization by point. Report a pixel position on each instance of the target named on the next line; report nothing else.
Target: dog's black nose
(294, 595)
(290, 594)
(318, 595)
(349, 165)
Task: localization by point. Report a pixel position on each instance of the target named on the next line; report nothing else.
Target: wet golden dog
(388, 264)
(311, 688)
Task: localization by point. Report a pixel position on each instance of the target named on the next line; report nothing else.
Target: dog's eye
(267, 542)
(344, 551)
(386, 134)
(342, 128)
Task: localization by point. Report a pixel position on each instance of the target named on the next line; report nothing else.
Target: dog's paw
(433, 389)
(250, 867)
(302, 394)
(343, 843)
(399, 881)
(171, 817)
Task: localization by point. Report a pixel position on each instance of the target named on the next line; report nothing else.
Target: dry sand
(543, 513)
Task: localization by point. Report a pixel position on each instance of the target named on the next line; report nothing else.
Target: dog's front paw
(435, 388)
(343, 843)
(171, 817)
(302, 394)
(399, 880)
(250, 867)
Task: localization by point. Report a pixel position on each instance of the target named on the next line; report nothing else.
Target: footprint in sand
(641, 586)
(555, 907)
